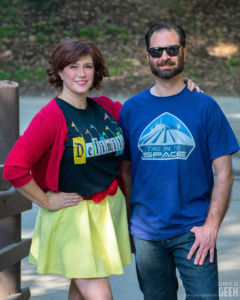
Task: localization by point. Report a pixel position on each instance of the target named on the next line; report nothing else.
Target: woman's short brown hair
(70, 51)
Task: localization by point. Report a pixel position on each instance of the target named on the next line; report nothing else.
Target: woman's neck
(78, 101)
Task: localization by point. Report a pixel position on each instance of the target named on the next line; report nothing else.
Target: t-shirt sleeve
(221, 139)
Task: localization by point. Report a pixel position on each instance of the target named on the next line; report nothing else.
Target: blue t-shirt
(171, 142)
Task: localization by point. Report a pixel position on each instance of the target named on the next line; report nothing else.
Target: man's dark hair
(164, 26)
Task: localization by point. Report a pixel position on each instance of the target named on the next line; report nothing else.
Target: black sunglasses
(157, 52)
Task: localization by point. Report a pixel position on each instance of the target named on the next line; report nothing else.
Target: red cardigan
(37, 153)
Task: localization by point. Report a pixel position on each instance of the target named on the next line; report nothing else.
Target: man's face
(166, 66)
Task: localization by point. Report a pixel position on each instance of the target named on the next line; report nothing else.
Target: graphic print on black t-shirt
(166, 138)
(107, 139)
(93, 150)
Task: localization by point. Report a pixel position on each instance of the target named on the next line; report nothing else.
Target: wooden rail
(12, 247)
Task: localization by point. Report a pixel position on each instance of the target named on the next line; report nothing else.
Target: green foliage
(7, 32)
(113, 70)
(4, 3)
(3, 31)
(21, 2)
(111, 29)
(121, 67)
(193, 25)
(124, 37)
(66, 33)
(85, 32)
(53, 21)
(41, 27)
(37, 5)
(216, 35)
(126, 62)
(114, 29)
(23, 74)
(123, 34)
(96, 32)
(39, 75)
(5, 75)
(31, 3)
(190, 71)
(188, 66)
(195, 75)
(234, 61)
(41, 38)
(131, 76)
(11, 13)
(182, 9)
(135, 29)
(33, 27)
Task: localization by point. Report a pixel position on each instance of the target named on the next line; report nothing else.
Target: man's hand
(206, 235)
(205, 241)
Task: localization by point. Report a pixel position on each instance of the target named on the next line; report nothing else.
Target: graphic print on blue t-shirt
(166, 137)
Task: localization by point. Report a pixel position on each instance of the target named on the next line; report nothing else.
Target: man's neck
(168, 87)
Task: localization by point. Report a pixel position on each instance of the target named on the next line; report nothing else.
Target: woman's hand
(62, 200)
(192, 85)
(53, 201)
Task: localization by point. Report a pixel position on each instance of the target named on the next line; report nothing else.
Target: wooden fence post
(12, 247)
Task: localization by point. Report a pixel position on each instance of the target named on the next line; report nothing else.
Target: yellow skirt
(85, 241)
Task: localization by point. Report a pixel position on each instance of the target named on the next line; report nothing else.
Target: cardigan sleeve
(113, 107)
(30, 147)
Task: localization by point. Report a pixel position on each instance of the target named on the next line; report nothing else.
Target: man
(173, 138)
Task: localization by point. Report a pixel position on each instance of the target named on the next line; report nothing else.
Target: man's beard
(170, 73)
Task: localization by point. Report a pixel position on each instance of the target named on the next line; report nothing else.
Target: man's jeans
(156, 263)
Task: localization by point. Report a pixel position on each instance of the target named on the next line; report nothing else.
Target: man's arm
(126, 167)
(127, 179)
(206, 235)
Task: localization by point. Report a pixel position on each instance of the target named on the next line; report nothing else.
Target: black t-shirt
(94, 147)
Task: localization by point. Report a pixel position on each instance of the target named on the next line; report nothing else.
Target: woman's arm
(53, 201)
(192, 85)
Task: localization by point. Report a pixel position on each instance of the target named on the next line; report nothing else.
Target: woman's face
(78, 77)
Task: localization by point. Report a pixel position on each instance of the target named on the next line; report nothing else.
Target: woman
(72, 149)
(67, 162)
